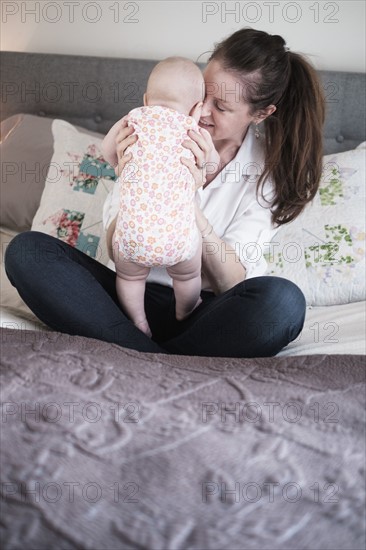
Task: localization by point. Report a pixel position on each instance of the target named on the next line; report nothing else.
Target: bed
(105, 447)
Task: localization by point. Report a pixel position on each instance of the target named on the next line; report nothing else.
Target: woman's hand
(207, 159)
(125, 137)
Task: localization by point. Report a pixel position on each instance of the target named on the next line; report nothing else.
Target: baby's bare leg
(130, 287)
(187, 284)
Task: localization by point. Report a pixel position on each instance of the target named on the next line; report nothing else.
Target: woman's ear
(264, 113)
(145, 100)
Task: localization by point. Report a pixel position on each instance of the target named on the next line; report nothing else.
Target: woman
(262, 181)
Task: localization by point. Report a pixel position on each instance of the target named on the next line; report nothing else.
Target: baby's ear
(196, 111)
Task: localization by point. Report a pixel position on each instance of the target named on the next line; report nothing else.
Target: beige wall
(332, 34)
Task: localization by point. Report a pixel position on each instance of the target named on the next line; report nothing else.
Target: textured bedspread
(107, 448)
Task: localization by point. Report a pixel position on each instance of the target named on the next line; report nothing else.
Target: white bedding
(332, 330)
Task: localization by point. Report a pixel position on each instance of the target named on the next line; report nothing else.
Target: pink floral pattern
(156, 221)
(66, 225)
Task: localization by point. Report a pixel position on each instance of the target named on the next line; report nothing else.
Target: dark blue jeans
(73, 293)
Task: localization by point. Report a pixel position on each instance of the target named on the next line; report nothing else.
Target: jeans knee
(14, 250)
(291, 295)
(293, 307)
(283, 306)
(23, 249)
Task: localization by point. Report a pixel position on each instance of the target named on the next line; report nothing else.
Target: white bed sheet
(331, 330)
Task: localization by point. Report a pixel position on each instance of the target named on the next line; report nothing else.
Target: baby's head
(177, 83)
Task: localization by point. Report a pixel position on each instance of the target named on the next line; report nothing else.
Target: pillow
(26, 148)
(77, 185)
(14, 312)
(323, 250)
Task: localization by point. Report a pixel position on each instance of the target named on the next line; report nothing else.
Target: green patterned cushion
(323, 250)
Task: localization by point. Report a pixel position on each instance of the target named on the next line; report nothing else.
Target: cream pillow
(323, 250)
(78, 182)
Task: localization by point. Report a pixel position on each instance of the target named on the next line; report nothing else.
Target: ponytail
(293, 142)
(293, 133)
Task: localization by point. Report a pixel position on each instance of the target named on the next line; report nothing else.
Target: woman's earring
(257, 134)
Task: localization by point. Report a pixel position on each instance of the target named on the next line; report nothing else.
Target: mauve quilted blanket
(107, 448)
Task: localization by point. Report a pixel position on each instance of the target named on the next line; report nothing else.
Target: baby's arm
(109, 144)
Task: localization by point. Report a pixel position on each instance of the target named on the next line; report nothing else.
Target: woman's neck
(226, 156)
(228, 148)
(227, 151)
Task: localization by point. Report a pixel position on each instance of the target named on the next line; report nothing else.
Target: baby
(156, 223)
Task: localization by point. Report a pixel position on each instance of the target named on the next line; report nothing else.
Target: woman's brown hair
(293, 133)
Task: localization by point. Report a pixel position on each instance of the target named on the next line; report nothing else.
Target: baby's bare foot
(144, 327)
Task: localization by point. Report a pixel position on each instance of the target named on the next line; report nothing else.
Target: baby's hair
(177, 80)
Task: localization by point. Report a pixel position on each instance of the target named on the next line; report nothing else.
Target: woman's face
(224, 114)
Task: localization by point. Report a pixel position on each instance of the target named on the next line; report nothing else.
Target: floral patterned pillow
(323, 250)
(77, 184)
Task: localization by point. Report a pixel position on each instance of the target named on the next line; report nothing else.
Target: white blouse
(230, 204)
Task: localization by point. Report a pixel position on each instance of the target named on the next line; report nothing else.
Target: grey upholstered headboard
(95, 91)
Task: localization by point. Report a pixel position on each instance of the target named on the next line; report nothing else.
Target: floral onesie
(156, 223)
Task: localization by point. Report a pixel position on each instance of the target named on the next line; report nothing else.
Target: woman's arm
(221, 267)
